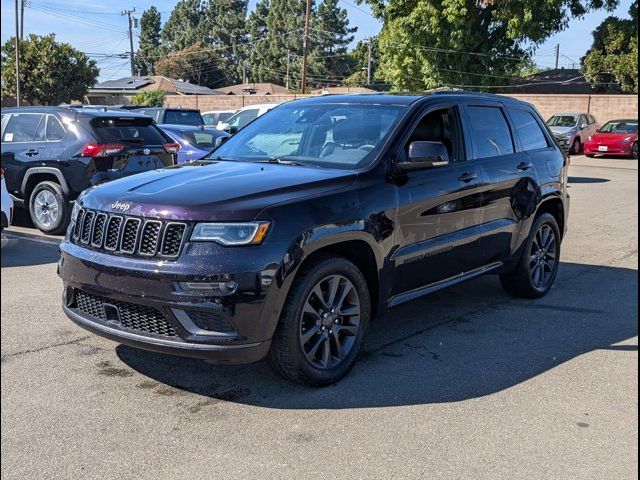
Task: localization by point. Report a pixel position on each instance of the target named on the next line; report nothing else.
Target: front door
(440, 210)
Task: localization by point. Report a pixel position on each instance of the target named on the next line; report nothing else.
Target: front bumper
(616, 149)
(141, 303)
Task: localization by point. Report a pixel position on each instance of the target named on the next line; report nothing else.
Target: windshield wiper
(280, 161)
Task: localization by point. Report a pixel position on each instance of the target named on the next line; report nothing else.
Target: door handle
(525, 166)
(31, 153)
(467, 177)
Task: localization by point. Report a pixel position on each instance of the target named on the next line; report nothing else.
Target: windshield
(177, 117)
(328, 135)
(563, 121)
(202, 139)
(620, 126)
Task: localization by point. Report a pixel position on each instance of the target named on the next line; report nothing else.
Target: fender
(310, 242)
(49, 170)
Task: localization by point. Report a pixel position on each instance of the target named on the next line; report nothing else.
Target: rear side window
(22, 127)
(178, 117)
(528, 130)
(55, 131)
(128, 130)
(490, 133)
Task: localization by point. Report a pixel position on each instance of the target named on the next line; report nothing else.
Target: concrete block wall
(604, 107)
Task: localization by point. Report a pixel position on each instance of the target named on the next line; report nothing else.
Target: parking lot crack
(47, 347)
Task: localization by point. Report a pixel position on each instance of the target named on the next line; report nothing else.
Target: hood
(611, 136)
(214, 191)
(563, 130)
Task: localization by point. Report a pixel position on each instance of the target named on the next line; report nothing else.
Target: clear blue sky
(98, 28)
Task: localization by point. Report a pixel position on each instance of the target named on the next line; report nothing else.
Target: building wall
(603, 107)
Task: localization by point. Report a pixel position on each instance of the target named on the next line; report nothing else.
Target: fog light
(209, 288)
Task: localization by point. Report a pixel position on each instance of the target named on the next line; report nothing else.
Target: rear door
(500, 142)
(23, 146)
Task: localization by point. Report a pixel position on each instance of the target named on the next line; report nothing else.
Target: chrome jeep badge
(121, 206)
(146, 151)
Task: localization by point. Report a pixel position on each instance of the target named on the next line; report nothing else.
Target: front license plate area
(603, 148)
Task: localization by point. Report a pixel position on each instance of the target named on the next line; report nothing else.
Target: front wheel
(537, 269)
(634, 151)
(320, 332)
(49, 208)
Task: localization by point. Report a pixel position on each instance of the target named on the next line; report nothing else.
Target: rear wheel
(537, 269)
(49, 208)
(322, 326)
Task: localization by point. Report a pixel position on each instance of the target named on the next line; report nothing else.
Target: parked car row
(581, 133)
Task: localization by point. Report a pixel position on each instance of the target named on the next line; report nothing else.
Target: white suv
(244, 116)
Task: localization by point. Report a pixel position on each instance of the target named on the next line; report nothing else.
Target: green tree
(197, 64)
(281, 44)
(431, 43)
(331, 37)
(224, 24)
(184, 26)
(149, 48)
(149, 98)
(613, 57)
(50, 72)
(359, 64)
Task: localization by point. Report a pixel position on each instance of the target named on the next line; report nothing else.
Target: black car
(312, 219)
(173, 116)
(51, 154)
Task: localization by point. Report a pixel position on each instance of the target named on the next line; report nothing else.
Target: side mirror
(232, 130)
(423, 155)
(219, 141)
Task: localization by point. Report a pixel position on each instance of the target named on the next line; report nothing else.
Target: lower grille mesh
(132, 316)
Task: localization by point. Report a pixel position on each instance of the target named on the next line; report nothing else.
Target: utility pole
(369, 62)
(244, 72)
(305, 47)
(21, 19)
(288, 65)
(128, 14)
(557, 56)
(17, 59)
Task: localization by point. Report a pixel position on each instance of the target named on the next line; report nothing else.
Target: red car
(617, 137)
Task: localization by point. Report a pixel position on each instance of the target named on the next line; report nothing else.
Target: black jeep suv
(312, 219)
(51, 154)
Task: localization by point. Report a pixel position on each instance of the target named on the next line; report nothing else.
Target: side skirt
(434, 287)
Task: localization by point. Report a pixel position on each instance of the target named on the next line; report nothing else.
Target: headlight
(75, 211)
(627, 139)
(231, 234)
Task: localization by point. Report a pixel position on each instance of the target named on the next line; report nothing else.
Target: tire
(299, 331)
(591, 155)
(576, 147)
(49, 208)
(521, 282)
(634, 151)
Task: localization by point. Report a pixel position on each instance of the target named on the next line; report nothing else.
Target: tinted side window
(490, 133)
(55, 131)
(528, 130)
(21, 127)
(182, 118)
(592, 119)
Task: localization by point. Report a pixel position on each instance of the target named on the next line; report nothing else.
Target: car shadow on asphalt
(587, 180)
(466, 342)
(21, 249)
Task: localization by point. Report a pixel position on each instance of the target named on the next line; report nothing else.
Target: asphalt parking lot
(467, 383)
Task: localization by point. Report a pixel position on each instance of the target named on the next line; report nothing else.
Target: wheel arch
(553, 205)
(36, 175)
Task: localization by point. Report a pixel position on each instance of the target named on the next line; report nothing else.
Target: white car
(244, 116)
(7, 203)
(215, 117)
